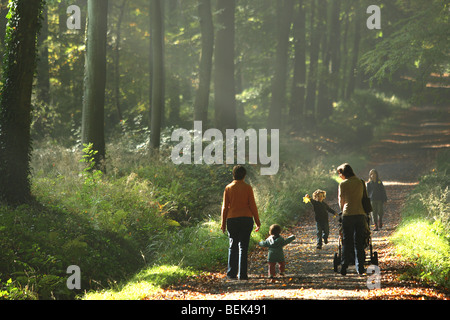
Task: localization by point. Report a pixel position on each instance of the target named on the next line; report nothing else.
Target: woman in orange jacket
(238, 212)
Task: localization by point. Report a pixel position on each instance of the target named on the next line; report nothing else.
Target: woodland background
(98, 189)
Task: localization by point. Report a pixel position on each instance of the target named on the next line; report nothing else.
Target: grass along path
(400, 158)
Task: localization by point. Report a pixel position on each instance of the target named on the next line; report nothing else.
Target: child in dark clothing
(320, 210)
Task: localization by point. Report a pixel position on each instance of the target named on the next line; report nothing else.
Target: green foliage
(147, 280)
(178, 247)
(148, 214)
(11, 44)
(90, 174)
(111, 226)
(419, 42)
(355, 121)
(424, 234)
(140, 214)
(403, 40)
(143, 213)
(45, 119)
(40, 242)
(12, 291)
(442, 162)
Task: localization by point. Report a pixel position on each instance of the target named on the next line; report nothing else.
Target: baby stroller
(373, 255)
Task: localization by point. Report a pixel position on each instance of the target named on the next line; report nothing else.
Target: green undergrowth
(147, 280)
(135, 218)
(146, 222)
(423, 238)
(203, 247)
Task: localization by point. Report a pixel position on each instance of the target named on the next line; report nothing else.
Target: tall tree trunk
(15, 100)
(207, 30)
(355, 54)
(285, 9)
(344, 56)
(335, 40)
(3, 21)
(157, 95)
(224, 83)
(43, 76)
(324, 106)
(92, 127)
(174, 77)
(310, 101)
(116, 60)
(299, 81)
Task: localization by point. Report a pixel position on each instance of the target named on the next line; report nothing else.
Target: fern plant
(90, 174)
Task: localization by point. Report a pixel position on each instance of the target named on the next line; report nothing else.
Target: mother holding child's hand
(238, 211)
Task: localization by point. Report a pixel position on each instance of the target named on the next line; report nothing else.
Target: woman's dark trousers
(354, 234)
(239, 230)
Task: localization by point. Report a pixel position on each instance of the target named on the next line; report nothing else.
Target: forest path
(400, 158)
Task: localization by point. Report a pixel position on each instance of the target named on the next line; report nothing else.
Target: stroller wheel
(374, 259)
(336, 262)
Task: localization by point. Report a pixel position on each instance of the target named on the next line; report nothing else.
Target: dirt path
(400, 159)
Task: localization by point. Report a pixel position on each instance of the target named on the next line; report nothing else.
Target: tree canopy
(143, 66)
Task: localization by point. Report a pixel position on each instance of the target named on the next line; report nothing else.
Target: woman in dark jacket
(377, 195)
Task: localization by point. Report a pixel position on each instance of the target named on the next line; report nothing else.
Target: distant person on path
(354, 219)
(275, 242)
(377, 194)
(321, 216)
(238, 212)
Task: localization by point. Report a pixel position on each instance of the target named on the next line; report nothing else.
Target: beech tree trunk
(224, 83)
(92, 126)
(310, 100)
(278, 102)
(15, 100)
(157, 87)
(207, 29)
(299, 81)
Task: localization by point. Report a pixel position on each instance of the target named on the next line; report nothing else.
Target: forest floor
(400, 158)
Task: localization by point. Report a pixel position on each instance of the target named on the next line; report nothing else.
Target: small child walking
(321, 216)
(275, 242)
(377, 194)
